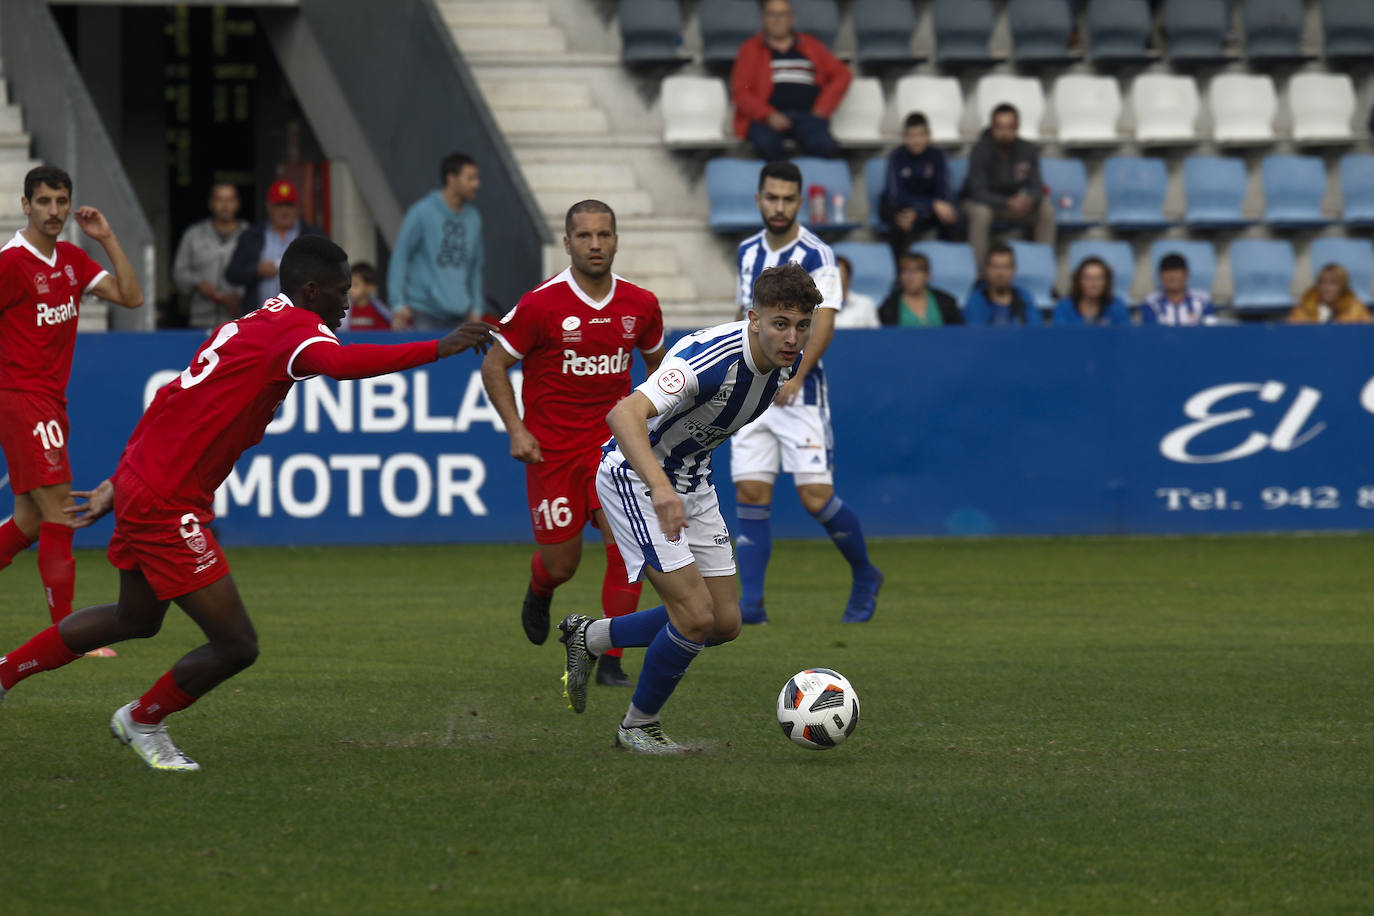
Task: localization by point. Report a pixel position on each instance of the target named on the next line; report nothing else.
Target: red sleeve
(325, 357)
(652, 338)
(831, 75)
(87, 268)
(520, 329)
(749, 84)
(9, 284)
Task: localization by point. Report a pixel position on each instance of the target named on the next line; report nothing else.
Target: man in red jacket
(786, 84)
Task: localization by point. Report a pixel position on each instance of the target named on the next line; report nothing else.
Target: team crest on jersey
(71, 274)
(40, 283)
(628, 323)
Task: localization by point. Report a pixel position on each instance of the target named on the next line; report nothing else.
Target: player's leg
(558, 512)
(619, 597)
(550, 566)
(25, 463)
(754, 459)
(19, 533)
(56, 566)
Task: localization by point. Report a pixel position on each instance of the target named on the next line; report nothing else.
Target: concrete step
(526, 41)
(11, 119)
(489, 59)
(522, 123)
(673, 287)
(555, 204)
(535, 94)
(12, 171)
(586, 146)
(691, 314)
(583, 177)
(643, 261)
(495, 12)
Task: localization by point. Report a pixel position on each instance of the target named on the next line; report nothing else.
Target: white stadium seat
(859, 119)
(694, 110)
(1087, 109)
(1165, 108)
(1322, 106)
(939, 98)
(1243, 107)
(1022, 91)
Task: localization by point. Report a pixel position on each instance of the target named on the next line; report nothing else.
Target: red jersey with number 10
(576, 354)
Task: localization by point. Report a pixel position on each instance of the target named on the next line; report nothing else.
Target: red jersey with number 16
(576, 354)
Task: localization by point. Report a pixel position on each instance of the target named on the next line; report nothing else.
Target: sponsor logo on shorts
(675, 539)
(721, 540)
(25, 666)
(209, 561)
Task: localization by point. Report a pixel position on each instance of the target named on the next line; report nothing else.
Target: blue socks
(665, 662)
(639, 628)
(842, 525)
(753, 547)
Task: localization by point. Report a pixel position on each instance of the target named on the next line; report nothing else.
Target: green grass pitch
(1057, 726)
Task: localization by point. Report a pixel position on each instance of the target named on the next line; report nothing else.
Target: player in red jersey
(163, 489)
(575, 336)
(42, 281)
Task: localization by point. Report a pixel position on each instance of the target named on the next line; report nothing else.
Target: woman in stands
(1090, 300)
(1330, 300)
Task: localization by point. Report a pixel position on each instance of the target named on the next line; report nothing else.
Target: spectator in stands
(914, 304)
(786, 83)
(996, 299)
(258, 252)
(1090, 300)
(857, 310)
(1003, 184)
(1330, 300)
(1175, 303)
(435, 278)
(365, 311)
(916, 193)
(202, 256)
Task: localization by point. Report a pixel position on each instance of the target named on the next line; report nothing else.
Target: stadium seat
(939, 98)
(1166, 109)
(1357, 189)
(1262, 274)
(874, 271)
(1022, 91)
(1067, 180)
(859, 118)
(831, 174)
(958, 173)
(1349, 28)
(875, 175)
(1293, 190)
(1322, 106)
(1243, 107)
(1272, 29)
(1087, 109)
(1040, 31)
(951, 267)
(1355, 255)
(725, 24)
(1036, 271)
(1116, 254)
(818, 18)
(883, 30)
(1119, 30)
(650, 31)
(694, 110)
(1215, 187)
(1136, 188)
(730, 188)
(1201, 258)
(962, 30)
(1196, 29)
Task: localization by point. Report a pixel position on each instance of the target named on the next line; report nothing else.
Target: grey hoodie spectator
(1004, 185)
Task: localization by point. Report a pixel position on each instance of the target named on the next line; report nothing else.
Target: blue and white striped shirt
(706, 388)
(1195, 309)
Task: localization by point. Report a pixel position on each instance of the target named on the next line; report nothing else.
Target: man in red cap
(258, 253)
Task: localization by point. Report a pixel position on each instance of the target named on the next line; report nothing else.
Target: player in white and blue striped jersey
(656, 492)
(795, 434)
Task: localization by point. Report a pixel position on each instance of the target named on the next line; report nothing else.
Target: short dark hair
(782, 170)
(787, 286)
(365, 271)
(587, 206)
(913, 257)
(452, 164)
(310, 257)
(49, 175)
(1006, 108)
(1173, 261)
(1000, 248)
(915, 119)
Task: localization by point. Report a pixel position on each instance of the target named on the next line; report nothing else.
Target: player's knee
(696, 624)
(142, 629)
(239, 653)
(725, 631)
(561, 568)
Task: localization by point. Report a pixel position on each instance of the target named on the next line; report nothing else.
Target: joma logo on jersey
(56, 314)
(612, 364)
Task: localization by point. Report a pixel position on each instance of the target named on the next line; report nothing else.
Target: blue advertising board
(950, 432)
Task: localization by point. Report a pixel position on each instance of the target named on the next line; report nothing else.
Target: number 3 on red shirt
(208, 356)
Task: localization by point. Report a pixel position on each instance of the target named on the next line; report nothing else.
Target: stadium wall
(969, 432)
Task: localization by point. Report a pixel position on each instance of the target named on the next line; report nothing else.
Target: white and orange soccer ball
(818, 708)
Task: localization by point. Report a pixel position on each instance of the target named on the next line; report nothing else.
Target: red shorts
(169, 544)
(562, 493)
(33, 435)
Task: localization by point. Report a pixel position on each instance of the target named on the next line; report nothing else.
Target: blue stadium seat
(831, 174)
(958, 173)
(1355, 255)
(874, 270)
(1357, 189)
(883, 30)
(951, 267)
(875, 176)
(1262, 274)
(1201, 258)
(1118, 257)
(650, 31)
(1196, 29)
(962, 30)
(730, 188)
(818, 18)
(1272, 29)
(1349, 29)
(725, 24)
(1293, 190)
(1040, 31)
(1067, 180)
(1136, 188)
(1215, 186)
(1036, 271)
(1120, 30)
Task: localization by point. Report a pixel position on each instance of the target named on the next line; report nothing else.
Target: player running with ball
(656, 491)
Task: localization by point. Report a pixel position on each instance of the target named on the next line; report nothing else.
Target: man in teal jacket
(434, 281)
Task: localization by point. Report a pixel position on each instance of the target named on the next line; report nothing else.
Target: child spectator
(365, 311)
(1330, 300)
(916, 193)
(1175, 303)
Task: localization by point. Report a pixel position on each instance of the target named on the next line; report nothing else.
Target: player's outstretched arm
(98, 503)
(628, 421)
(496, 379)
(122, 288)
(325, 356)
(470, 335)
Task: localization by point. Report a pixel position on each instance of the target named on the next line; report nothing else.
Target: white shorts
(798, 437)
(630, 513)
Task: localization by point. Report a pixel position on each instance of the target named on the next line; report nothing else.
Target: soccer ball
(818, 708)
